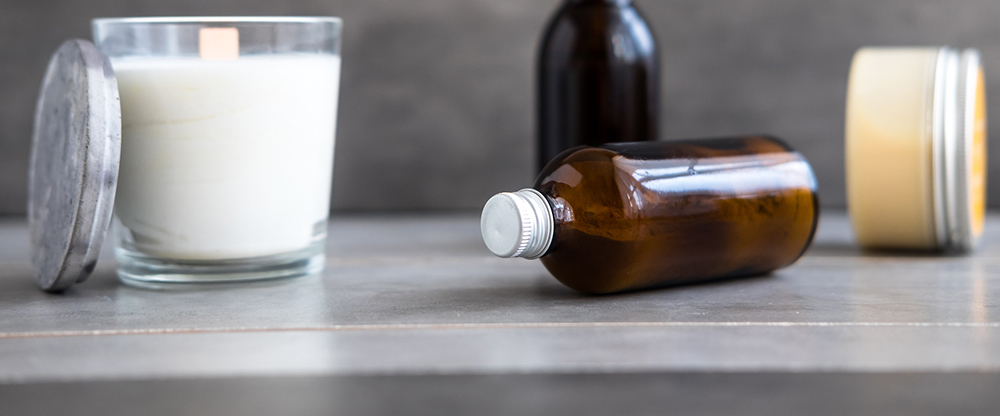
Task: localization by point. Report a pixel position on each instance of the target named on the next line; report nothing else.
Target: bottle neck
(619, 3)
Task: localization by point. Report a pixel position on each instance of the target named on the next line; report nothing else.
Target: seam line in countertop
(474, 326)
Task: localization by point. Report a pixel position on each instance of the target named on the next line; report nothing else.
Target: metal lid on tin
(955, 123)
(74, 164)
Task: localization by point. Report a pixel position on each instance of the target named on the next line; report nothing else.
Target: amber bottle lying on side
(630, 216)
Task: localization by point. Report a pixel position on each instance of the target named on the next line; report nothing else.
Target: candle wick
(219, 43)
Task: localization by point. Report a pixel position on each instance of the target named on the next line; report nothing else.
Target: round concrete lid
(74, 164)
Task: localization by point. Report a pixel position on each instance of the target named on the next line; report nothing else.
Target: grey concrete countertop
(413, 315)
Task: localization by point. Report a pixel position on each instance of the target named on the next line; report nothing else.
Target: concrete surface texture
(437, 99)
(414, 316)
(421, 295)
(642, 393)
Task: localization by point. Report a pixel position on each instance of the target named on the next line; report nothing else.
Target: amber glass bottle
(639, 215)
(598, 77)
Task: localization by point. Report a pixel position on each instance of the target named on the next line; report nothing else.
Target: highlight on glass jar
(916, 148)
(633, 216)
(226, 135)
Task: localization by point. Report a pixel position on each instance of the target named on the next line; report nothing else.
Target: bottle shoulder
(569, 166)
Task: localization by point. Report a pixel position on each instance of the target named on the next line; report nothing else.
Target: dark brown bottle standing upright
(598, 78)
(627, 216)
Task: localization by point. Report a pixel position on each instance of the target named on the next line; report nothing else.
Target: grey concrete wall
(436, 105)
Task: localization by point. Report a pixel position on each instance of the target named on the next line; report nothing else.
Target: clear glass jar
(228, 130)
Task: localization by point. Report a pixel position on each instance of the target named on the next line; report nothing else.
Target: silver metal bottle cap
(73, 173)
(518, 224)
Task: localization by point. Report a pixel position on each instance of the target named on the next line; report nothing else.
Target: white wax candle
(226, 159)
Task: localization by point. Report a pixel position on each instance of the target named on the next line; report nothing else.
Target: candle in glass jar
(226, 159)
